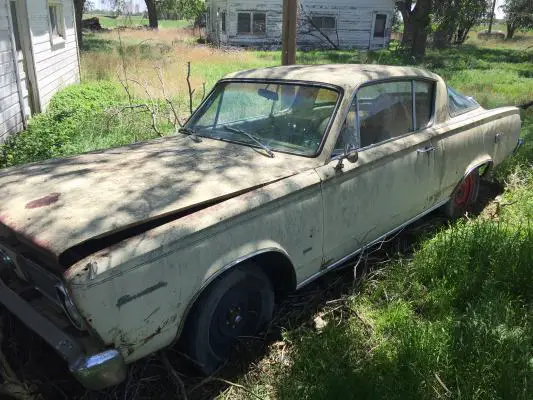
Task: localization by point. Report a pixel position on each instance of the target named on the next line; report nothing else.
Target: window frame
(60, 38)
(384, 25)
(334, 115)
(322, 16)
(412, 79)
(251, 16)
(13, 14)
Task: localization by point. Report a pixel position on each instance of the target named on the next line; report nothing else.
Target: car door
(392, 180)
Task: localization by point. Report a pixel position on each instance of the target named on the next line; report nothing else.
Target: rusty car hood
(61, 203)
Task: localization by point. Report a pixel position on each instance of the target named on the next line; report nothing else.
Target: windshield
(290, 118)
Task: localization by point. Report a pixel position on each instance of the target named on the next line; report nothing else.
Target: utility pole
(288, 55)
(492, 16)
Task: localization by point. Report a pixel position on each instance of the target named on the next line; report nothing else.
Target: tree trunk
(152, 14)
(416, 26)
(78, 10)
(510, 30)
(421, 22)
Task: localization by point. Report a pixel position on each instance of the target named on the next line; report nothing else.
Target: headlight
(70, 308)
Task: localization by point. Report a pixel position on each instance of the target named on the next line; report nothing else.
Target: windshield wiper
(190, 132)
(251, 137)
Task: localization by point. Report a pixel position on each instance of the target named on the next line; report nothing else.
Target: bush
(50, 134)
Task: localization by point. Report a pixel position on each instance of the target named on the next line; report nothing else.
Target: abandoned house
(38, 56)
(335, 24)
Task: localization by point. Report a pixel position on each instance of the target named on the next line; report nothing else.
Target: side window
(424, 101)
(385, 111)
(348, 135)
(459, 103)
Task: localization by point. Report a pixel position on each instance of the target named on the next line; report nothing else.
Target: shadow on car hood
(61, 203)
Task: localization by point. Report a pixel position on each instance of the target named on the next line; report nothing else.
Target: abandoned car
(281, 175)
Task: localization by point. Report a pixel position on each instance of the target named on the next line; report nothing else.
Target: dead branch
(220, 380)
(152, 108)
(191, 90)
(176, 122)
(11, 387)
(174, 375)
(312, 28)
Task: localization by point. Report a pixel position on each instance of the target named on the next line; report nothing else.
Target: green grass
(132, 21)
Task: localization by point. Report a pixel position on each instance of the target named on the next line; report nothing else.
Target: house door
(378, 33)
(21, 67)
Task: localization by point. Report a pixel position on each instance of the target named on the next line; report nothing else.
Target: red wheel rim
(464, 192)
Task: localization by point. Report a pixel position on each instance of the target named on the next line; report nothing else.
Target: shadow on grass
(94, 42)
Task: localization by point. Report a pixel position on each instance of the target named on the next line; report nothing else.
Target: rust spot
(44, 201)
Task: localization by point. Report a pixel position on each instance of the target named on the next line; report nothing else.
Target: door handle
(426, 149)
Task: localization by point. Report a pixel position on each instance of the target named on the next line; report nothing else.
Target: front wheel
(464, 196)
(239, 304)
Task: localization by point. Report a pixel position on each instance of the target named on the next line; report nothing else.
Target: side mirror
(350, 153)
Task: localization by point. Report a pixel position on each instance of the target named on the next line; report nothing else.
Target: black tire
(239, 304)
(463, 196)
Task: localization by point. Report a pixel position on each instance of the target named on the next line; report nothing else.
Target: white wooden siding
(10, 112)
(355, 21)
(56, 65)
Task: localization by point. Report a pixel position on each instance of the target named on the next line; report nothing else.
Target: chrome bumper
(95, 371)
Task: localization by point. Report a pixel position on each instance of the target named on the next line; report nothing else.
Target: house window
(251, 23)
(324, 22)
(379, 25)
(57, 24)
(223, 17)
(15, 23)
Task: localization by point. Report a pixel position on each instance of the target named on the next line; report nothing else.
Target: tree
(79, 6)
(151, 7)
(455, 18)
(180, 9)
(416, 25)
(518, 16)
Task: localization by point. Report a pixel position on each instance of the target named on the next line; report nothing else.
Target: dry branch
(175, 376)
(11, 387)
(191, 90)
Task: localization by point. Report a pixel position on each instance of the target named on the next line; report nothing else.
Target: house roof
(346, 76)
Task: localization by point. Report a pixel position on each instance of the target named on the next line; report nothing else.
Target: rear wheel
(464, 196)
(239, 304)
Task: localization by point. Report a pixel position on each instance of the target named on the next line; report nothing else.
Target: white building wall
(10, 106)
(56, 62)
(355, 22)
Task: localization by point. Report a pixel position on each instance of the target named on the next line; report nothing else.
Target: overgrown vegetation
(80, 118)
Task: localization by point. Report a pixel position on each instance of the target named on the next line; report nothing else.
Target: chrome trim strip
(353, 254)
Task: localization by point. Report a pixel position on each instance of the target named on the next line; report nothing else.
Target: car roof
(346, 76)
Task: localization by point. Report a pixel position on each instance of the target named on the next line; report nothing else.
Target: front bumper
(96, 371)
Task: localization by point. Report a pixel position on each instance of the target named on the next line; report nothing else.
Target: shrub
(48, 134)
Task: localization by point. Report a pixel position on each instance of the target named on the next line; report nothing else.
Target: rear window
(459, 103)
